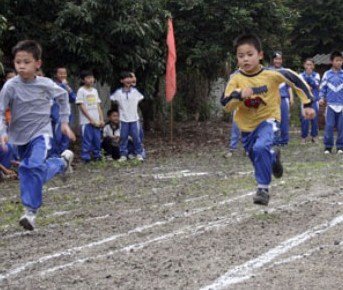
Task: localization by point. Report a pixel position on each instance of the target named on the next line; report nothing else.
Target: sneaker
(229, 153)
(139, 158)
(27, 221)
(68, 157)
(339, 151)
(131, 156)
(314, 140)
(327, 151)
(261, 196)
(277, 165)
(303, 141)
(122, 159)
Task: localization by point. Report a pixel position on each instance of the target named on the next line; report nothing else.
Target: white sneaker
(139, 158)
(339, 151)
(122, 159)
(131, 156)
(27, 221)
(68, 156)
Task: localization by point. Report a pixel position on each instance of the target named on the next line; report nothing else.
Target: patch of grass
(10, 212)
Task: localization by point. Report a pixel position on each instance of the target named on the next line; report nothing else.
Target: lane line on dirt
(247, 269)
(73, 250)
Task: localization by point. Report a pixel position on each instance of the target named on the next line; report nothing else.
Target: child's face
(337, 62)
(114, 118)
(309, 66)
(126, 82)
(89, 81)
(61, 74)
(277, 61)
(248, 57)
(133, 80)
(26, 65)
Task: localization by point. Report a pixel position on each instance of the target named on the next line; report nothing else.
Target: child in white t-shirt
(128, 99)
(91, 117)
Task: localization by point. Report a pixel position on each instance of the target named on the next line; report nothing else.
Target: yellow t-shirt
(265, 85)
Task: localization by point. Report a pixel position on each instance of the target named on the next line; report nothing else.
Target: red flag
(171, 60)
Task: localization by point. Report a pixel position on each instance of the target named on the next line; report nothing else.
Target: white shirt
(90, 98)
(128, 104)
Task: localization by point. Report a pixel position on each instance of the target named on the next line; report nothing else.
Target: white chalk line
(186, 231)
(74, 250)
(245, 271)
(139, 229)
(179, 174)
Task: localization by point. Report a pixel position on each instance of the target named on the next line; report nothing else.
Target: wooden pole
(171, 122)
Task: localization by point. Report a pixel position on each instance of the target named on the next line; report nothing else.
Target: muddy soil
(184, 219)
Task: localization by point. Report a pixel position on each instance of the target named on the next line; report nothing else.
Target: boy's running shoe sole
(277, 166)
(27, 223)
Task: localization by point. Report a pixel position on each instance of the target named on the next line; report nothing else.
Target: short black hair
(309, 59)
(111, 111)
(8, 70)
(249, 38)
(276, 54)
(334, 54)
(125, 74)
(86, 73)
(58, 67)
(29, 46)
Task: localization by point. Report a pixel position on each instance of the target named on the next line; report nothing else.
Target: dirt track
(182, 220)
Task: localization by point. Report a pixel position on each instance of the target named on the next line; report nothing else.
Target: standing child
(60, 142)
(29, 98)
(253, 92)
(286, 95)
(331, 93)
(312, 78)
(91, 117)
(128, 99)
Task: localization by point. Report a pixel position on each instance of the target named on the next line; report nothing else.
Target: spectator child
(29, 98)
(312, 78)
(128, 99)
(111, 136)
(91, 117)
(60, 142)
(331, 93)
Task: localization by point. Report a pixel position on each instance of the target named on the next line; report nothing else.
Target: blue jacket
(313, 80)
(55, 109)
(331, 87)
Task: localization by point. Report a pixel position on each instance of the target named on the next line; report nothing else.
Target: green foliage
(319, 27)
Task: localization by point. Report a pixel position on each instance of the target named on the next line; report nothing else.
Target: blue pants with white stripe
(35, 170)
(305, 124)
(333, 120)
(91, 142)
(132, 129)
(258, 144)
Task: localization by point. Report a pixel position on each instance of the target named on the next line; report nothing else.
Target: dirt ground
(182, 220)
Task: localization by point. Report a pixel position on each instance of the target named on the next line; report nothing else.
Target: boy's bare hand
(101, 124)
(321, 102)
(68, 132)
(3, 142)
(246, 93)
(309, 113)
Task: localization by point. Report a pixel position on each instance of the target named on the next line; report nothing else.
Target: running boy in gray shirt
(29, 98)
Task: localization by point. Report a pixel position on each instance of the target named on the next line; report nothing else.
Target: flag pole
(171, 122)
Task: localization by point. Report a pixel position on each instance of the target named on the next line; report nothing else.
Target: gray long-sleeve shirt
(30, 104)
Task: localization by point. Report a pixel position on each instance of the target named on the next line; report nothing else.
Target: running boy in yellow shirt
(254, 93)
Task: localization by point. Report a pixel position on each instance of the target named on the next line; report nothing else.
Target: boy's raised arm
(296, 83)
(231, 97)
